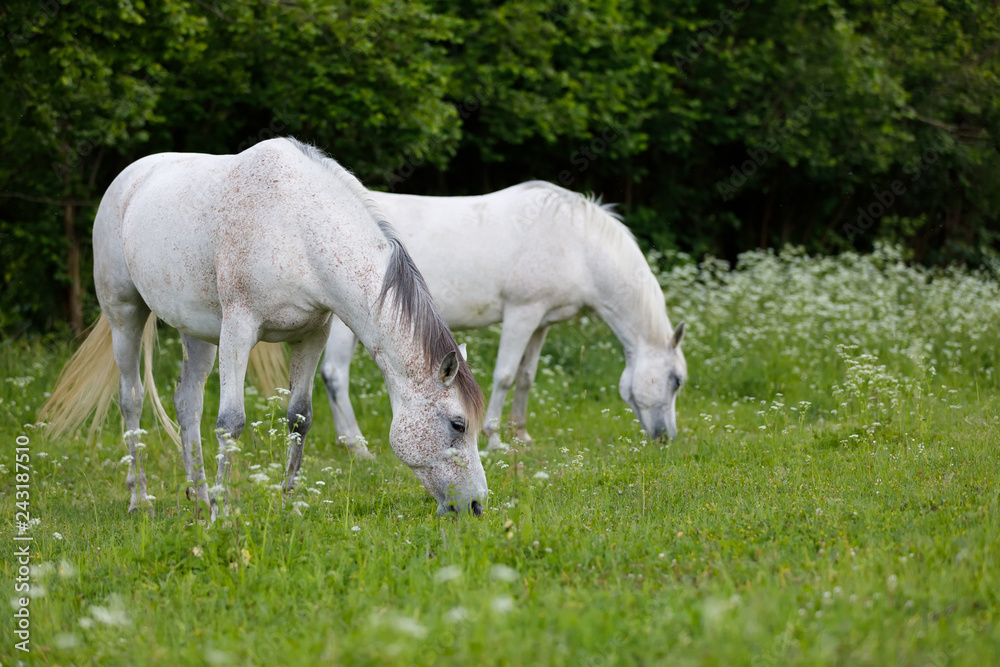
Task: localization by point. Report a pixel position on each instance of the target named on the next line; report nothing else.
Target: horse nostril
(477, 509)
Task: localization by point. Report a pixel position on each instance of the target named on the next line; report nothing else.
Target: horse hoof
(146, 505)
(496, 444)
(522, 435)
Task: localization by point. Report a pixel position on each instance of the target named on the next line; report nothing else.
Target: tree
(81, 86)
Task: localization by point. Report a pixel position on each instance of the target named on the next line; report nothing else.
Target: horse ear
(678, 336)
(449, 369)
(465, 354)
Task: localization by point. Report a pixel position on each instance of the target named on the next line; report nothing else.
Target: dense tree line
(719, 125)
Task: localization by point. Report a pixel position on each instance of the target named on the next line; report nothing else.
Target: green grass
(832, 499)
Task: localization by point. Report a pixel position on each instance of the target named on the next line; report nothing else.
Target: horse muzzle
(661, 430)
(456, 507)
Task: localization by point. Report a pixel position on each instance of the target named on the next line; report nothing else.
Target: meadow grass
(832, 498)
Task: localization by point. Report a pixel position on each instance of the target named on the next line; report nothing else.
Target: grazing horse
(266, 246)
(529, 256)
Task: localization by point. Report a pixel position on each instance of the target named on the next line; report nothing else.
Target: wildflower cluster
(784, 317)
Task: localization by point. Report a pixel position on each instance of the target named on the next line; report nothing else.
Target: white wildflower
(456, 614)
(409, 626)
(504, 573)
(502, 604)
(448, 573)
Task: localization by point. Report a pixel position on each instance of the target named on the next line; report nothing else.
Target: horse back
(484, 253)
(201, 235)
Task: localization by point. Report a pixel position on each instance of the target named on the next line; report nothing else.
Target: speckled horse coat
(266, 246)
(528, 256)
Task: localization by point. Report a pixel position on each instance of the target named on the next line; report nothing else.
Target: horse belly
(472, 315)
(190, 306)
(465, 300)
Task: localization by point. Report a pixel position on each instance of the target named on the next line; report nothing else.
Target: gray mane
(413, 307)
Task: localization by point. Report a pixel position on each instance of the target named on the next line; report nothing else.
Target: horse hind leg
(336, 373)
(302, 365)
(522, 386)
(238, 336)
(199, 357)
(127, 322)
(519, 324)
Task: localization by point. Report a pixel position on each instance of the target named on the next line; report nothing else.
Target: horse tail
(86, 384)
(90, 380)
(268, 367)
(148, 343)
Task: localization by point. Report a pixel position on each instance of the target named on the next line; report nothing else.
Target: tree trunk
(74, 295)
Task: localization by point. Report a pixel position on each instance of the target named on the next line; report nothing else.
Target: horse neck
(628, 297)
(392, 347)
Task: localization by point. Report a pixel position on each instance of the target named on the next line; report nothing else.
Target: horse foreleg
(239, 335)
(199, 357)
(127, 323)
(336, 373)
(302, 364)
(525, 377)
(518, 326)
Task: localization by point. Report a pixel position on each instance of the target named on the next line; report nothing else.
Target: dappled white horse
(265, 246)
(529, 256)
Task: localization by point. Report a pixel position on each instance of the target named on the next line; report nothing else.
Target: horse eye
(458, 425)
(676, 381)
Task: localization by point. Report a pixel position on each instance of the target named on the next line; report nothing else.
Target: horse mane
(608, 236)
(341, 173)
(412, 304)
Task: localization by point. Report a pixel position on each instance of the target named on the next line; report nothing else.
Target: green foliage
(720, 125)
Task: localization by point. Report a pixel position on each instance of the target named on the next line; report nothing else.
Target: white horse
(265, 246)
(528, 256)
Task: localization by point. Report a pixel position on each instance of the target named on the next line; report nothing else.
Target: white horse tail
(148, 342)
(268, 367)
(86, 384)
(90, 380)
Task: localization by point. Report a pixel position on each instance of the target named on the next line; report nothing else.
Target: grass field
(832, 498)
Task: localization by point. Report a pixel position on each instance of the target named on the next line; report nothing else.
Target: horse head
(652, 379)
(434, 431)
